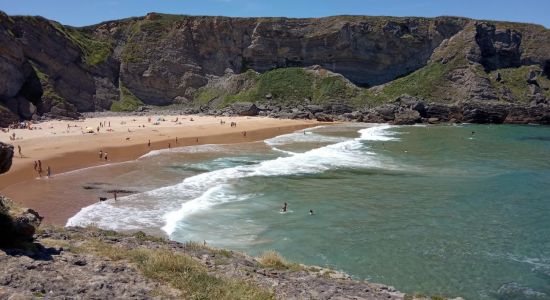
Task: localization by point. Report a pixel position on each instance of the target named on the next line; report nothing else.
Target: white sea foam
(283, 151)
(300, 137)
(378, 133)
(188, 149)
(172, 204)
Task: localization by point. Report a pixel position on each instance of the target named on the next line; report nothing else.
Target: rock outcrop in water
(207, 63)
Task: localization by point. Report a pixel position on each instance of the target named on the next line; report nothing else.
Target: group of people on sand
(39, 171)
(103, 155)
(18, 125)
(284, 209)
(104, 124)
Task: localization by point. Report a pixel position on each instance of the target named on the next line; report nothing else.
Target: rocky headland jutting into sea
(373, 69)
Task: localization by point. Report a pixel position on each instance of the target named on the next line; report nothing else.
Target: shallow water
(430, 209)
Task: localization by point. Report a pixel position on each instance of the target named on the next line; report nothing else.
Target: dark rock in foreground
(6, 155)
(245, 109)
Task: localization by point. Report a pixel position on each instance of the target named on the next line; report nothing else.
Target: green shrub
(128, 101)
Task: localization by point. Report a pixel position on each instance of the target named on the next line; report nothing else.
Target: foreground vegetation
(179, 270)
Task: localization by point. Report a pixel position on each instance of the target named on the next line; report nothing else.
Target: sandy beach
(67, 145)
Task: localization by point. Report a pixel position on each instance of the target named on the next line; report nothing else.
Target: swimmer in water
(285, 208)
(311, 212)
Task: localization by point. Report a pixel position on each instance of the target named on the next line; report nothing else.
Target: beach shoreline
(124, 138)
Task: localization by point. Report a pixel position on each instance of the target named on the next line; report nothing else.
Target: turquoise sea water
(431, 209)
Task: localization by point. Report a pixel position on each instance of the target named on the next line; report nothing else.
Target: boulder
(443, 112)
(321, 117)
(26, 223)
(314, 108)
(16, 225)
(372, 117)
(338, 109)
(245, 109)
(414, 103)
(6, 155)
(300, 115)
(407, 117)
(433, 120)
(386, 111)
(353, 116)
(7, 117)
(63, 110)
(484, 114)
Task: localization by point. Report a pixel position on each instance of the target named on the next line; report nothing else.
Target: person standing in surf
(285, 207)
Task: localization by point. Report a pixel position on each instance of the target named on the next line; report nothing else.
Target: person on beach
(35, 166)
(100, 154)
(169, 146)
(197, 140)
(244, 133)
(149, 144)
(19, 149)
(285, 207)
(49, 171)
(115, 194)
(106, 156)
(39, 170)
(176, 140)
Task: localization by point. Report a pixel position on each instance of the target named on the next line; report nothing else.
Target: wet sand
(67, 149)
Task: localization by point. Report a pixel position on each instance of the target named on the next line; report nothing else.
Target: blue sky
(87, 12)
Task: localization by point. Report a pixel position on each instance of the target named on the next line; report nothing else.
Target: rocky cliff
(212, 62)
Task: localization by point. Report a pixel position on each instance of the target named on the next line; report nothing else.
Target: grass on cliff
(95, 51)
(272, 259)
(514, 80)
(287, 86)
(426, 82)
(49, 93)
(128, 101)
(179, 270)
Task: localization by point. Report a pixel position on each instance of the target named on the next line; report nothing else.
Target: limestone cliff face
(165, 57)
(162, 59)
